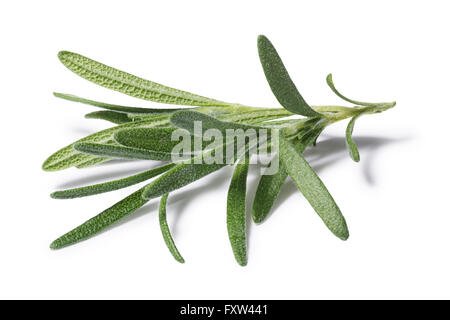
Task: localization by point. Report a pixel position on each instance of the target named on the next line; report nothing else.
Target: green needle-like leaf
(269, 186)
(131, 85)
(110, 185)
(313, 189)
(120, 152)
(101, 221)
(166, 231)
(367, 104)
(155, 139)
(111, 116)
(236, 219)
(113, 107)
(351, 145)
(280, 82)
(68, 157)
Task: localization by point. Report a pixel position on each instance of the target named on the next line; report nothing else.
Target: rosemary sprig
(154, 134)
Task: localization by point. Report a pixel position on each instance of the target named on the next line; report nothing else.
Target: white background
(395, 200)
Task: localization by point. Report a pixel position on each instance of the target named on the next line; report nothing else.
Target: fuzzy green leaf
(120, 152)
(111, 116)
(101, 221)
(68, 157)
(236, 218)
(367, 104)
(269, 186)
(166, 231)
(110, 185)
(351, 145)
(113, 107)
(131, 85)
(279, 80)
(313, 189)
(155, 139)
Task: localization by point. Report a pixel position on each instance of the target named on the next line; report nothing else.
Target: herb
(148, 133)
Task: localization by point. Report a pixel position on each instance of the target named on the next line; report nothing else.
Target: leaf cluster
(147, 134)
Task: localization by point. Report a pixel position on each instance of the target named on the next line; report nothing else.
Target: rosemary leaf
(236, 220)
(101, 221)
(279, 80)
(131, 85)
(313, 189)
(166, 231)
(155, 139)
(269, 186)
(111, 116)
(110, 185)
(351, 145)
(113, 107)
(68, 157)
(367, 104)
(120, 152)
